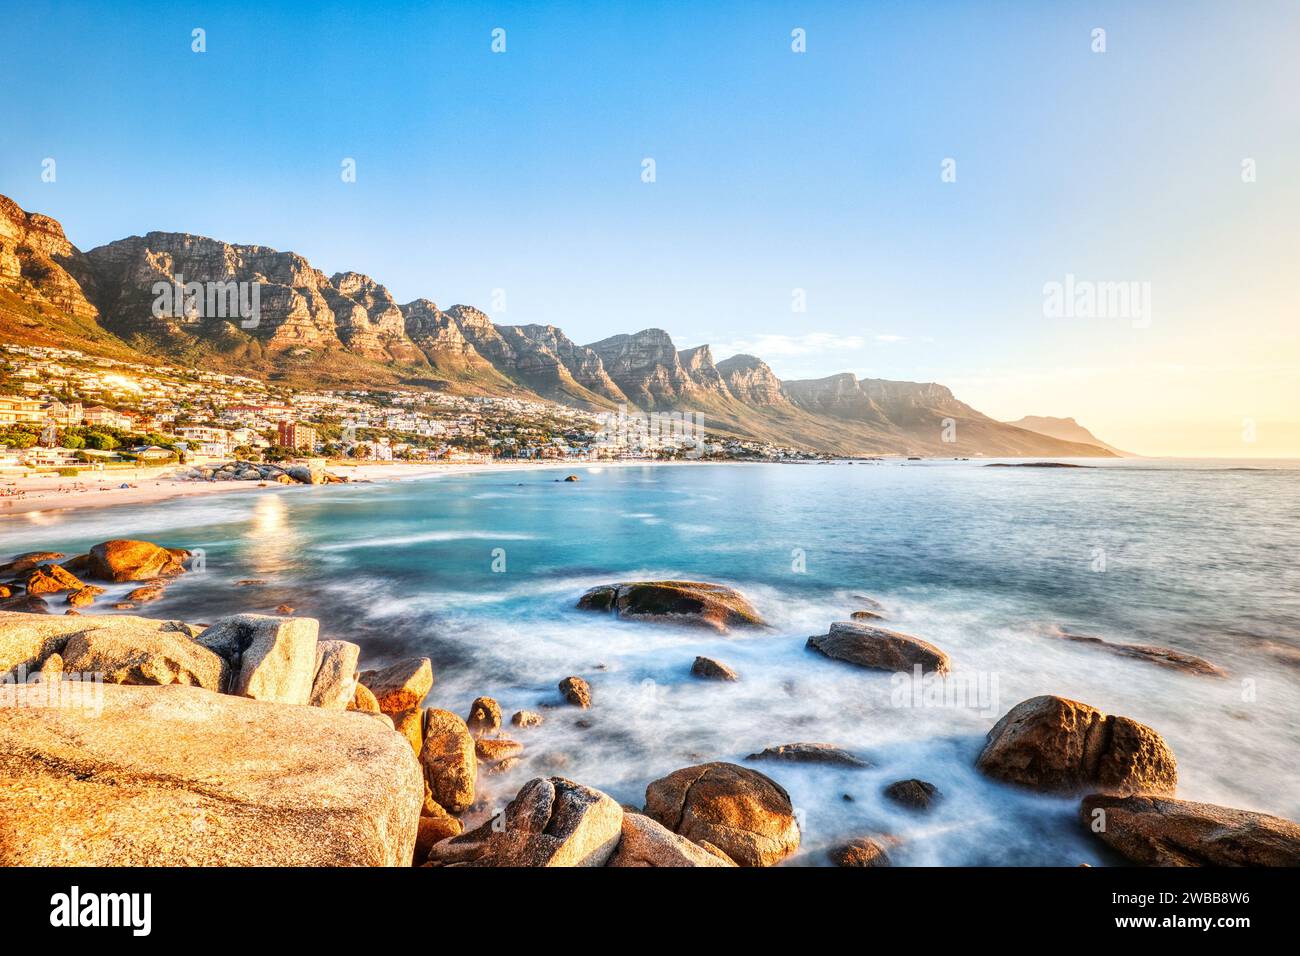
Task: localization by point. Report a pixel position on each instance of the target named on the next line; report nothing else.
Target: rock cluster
(209, 766)
(251, 741)
(36, 576)
(298, 473)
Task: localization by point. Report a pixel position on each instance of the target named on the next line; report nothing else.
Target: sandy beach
(54, 493)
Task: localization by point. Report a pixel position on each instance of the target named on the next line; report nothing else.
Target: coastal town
(64, 412)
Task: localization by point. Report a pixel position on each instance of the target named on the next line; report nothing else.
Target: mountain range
(318, 331)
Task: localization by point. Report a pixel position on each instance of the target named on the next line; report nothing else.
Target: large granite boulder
(134, 650)
(448, 758)
(550, 822)
(678, 602)
(1057, 745)
(123, 560)
(402, 685)
(180, 776)
(879, 648)
(1161, 831)
(647, 842)
(335, 682)
(270, 658)
(745, 814)
(28, 640)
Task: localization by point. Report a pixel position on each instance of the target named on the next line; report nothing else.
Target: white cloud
(889, 338)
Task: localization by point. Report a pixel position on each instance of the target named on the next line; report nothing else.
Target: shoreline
(58, 494)
(52, 493)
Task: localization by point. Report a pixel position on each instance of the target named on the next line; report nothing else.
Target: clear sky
(774, 171)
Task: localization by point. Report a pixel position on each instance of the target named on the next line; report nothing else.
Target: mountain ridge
(1066, 429)
(347, 328)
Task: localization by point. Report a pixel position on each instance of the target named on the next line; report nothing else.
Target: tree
(72, 441)
(101, 441)
(17, 439)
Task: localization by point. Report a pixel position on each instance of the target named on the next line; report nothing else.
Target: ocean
(481, 573)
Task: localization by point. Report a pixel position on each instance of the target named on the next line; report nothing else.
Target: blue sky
(775, 171)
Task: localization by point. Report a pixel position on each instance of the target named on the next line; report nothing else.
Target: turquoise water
(984, 562)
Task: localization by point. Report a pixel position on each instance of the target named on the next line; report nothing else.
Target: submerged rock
(1164, 656)
(879, 649)
(742, 812)
(866, 616)
(864, 851)
(527, 718)
(917, 794)
(710, 669)
(550, 822)
(576, 691)
(1162, 831)
(166, 776)
(678, 602)
(1057, 745)
(810, 753)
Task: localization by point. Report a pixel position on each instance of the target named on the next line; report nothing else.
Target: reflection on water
(982, 562)
(271, 542)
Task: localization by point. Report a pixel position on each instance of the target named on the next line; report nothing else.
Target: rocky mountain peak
(646, 367)
(698, 362)
(38, 261)
(583, 363)
(751, 380)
